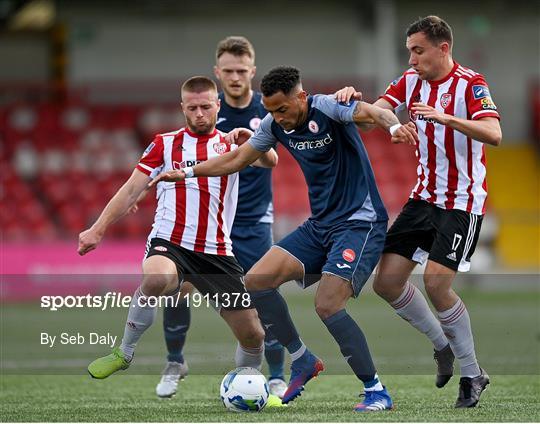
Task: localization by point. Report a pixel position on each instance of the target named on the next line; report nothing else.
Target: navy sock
(275, 355)
(176, 321)
(274, 314)
(352, 343)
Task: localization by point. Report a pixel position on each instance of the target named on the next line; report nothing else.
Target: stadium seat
(85, 152)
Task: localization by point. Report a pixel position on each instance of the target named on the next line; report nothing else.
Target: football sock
(298, 353)
(138, 320)
(176, 321)
(249, 357)
(353, 345)
(457, 325)
(274, 314)
(275, 355)
(412, 306)
(374, 385)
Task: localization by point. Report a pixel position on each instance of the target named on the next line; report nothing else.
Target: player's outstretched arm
(267, 160)
(117, 207)
(388, 120)
(487, 130)
(348, 94)
(135, 206)
(226, 164)
(241, 135)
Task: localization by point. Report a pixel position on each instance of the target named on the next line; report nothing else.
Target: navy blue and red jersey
(255, 189)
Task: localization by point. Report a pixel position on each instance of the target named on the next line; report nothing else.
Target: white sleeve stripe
(393, 98)
(142, 165)
(481, 112)
(467, 71)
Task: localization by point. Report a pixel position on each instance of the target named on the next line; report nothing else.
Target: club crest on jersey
(446, 98)
(480, 91)
(313, 127)
(148, 149)
(254, 123)
(220, 148)
(348, 255)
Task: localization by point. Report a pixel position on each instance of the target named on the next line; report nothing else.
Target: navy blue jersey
(255, 189)
(328, 148)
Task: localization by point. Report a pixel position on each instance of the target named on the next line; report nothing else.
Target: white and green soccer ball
(244, 390)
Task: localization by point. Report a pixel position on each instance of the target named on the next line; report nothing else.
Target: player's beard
(202, 128)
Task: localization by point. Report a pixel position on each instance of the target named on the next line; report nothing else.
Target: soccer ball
(244, 390)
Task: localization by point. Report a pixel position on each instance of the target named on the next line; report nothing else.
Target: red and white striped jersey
(452, 166)
(197, 213)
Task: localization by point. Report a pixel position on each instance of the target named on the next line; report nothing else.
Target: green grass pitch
(39, 383)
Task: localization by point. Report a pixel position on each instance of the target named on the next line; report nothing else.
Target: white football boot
(173, 372)
(277, 387)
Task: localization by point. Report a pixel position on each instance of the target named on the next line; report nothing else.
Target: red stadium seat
(91, 150)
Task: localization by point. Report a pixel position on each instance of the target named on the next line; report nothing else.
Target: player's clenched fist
(170, 176)
(88, 240)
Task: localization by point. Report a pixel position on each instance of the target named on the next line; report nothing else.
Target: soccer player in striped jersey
(251, 233)
(456, 117)
(190, 237)
(341, 242)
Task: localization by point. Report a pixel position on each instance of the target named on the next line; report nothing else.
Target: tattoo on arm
(386, 119)
(357, 111)
(365, 113)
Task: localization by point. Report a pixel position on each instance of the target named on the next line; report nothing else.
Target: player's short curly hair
(281, 78)
(435, 29)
